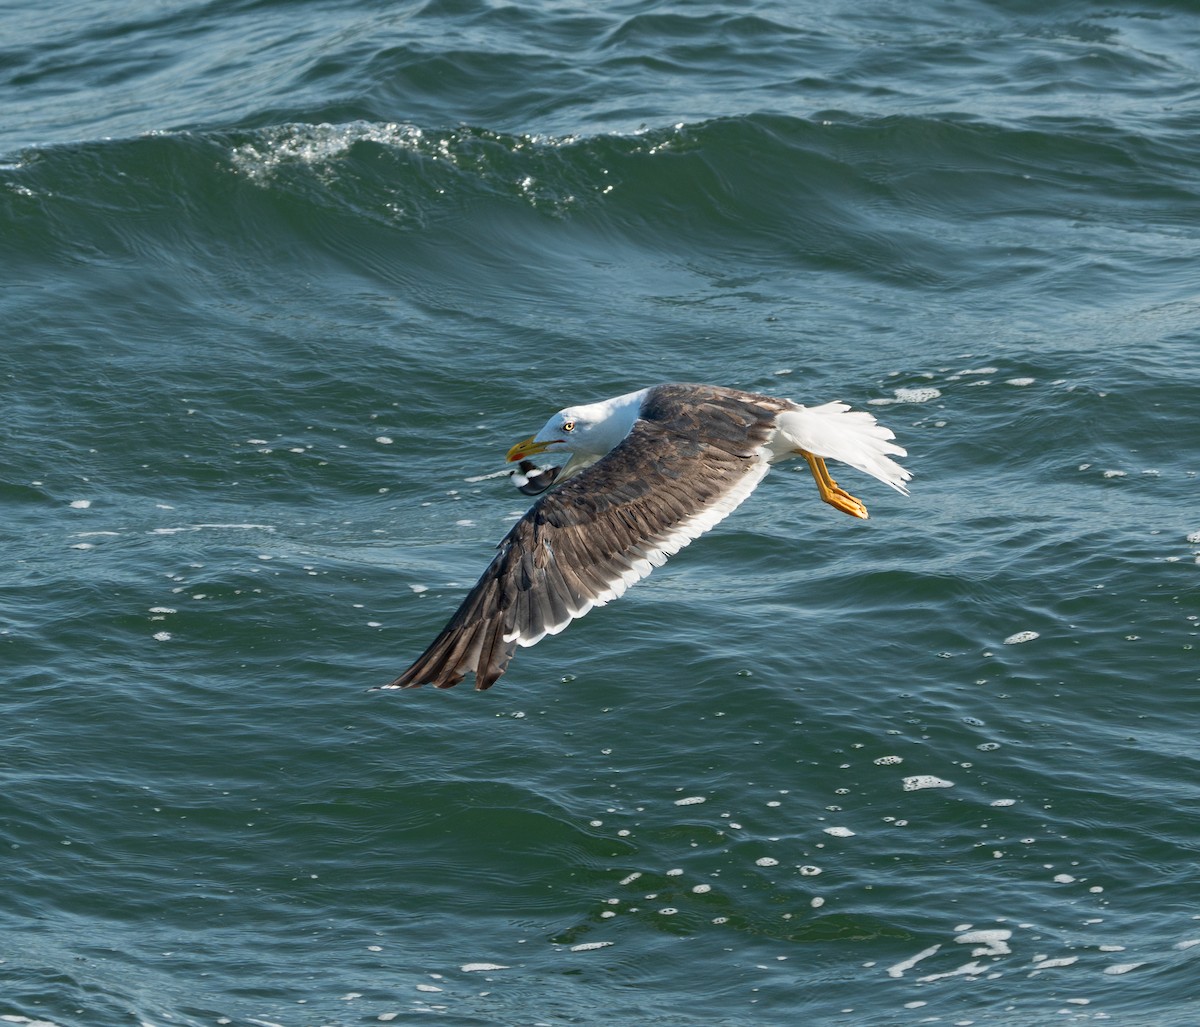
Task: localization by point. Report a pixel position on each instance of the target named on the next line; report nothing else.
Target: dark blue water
(279, 280)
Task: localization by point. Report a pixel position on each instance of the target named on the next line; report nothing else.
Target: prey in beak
(529, 477)
(532, 479)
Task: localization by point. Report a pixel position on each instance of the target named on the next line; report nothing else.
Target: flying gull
(648, 472)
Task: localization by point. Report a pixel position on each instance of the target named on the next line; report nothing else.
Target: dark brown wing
(687, 463)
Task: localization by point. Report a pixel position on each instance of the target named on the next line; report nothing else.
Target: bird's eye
(568, 426)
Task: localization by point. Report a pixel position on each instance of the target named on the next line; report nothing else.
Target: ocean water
(281, 279)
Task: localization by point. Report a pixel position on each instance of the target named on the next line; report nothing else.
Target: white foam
(80, 504)
(972, 969)
(766, 861)
(1021, 636)
(992, 942)
(1047, 964)
(471, 968)
(921, 394)
(317, 144)
(11, 1018)
(691, 800)
(919, 781)
(495, 474)
(907, 964)
(839, 832)
(590, 946)
(1121, 968)
(888, 761)
(218, 527)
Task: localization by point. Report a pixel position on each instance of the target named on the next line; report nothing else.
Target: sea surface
(281, 282)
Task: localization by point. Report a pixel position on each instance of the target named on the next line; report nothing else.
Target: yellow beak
(527, 448)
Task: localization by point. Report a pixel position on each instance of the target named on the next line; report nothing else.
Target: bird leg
(831, 492)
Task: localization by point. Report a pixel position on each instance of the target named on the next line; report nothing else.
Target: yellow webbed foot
(831, 492)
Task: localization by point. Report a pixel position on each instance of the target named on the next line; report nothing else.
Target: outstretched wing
(689, 461)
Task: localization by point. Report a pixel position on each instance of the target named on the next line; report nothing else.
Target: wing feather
(692, 457)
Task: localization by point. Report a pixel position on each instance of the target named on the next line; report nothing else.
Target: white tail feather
(833, 431)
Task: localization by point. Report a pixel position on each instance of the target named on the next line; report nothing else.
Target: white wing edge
(654, 552)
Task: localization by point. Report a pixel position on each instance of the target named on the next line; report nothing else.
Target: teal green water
(280, 279)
